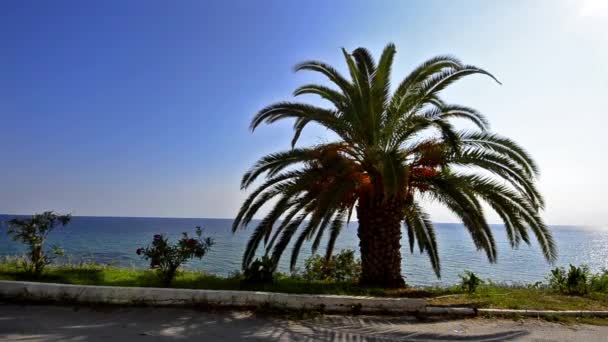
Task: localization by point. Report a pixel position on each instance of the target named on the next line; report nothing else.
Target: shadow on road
(52, 323)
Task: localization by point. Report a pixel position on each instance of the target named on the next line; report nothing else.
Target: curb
(543, 313)
(22, 290)
(449, 311)
(93, 294)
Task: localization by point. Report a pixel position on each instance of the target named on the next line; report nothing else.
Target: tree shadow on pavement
(56, 323)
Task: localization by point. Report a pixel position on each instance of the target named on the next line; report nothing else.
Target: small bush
(574, 281)
(470, 281)
(33, 232)
(316, 268)
(261, 271)
(599, 282)
(557, 279)
(167, 258)
(343, 267)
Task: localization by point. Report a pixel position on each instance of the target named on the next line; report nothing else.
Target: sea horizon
(554, 225)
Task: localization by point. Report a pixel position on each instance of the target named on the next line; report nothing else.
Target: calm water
(114, 240)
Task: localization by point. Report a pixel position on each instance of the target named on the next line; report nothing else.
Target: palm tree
(393, 149)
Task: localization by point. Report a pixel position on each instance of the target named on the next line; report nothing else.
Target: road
(58, 323)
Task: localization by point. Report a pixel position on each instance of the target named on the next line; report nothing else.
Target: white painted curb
(170, 296)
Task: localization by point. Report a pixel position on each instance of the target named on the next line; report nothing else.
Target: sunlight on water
(114, 240)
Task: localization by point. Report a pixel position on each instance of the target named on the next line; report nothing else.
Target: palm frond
(420, 228)
(335, 229)
(328, 71)
(500, 145)
(455, 111)
(441, 80)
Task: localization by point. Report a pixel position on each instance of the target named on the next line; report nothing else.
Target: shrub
(470, 281)
(316, 268)
(599, 282)
(343, 267)
(33, 232)
(557, 279)
(260, 271)
(574, 281)
(166, 258)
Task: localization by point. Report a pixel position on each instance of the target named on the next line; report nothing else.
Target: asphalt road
(54, 323)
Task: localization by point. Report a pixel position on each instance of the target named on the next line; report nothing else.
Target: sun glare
(594, 8)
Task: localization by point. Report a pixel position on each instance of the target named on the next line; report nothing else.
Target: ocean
(115, 239)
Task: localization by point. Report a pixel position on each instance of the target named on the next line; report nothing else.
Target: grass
(523, 298)
(487, 296)
(94, 274)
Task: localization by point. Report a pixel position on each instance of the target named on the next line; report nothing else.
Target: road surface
(60, 323)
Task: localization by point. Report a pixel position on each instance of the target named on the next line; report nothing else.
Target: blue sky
(141, 108)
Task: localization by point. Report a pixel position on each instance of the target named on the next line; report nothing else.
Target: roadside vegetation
(166, 257)
(486, 295)
(573, 288)
(500, 296)
(33, 232)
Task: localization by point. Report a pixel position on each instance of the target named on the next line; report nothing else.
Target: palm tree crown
(394, 148)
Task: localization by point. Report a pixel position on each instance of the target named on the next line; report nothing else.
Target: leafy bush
(33, 232)
(470, 281)
(167, 258)
(574, 281)
(343, 267)
(599, 282)
(260, 271)
(557, 279)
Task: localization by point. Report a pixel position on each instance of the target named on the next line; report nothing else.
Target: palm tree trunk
(380, 244)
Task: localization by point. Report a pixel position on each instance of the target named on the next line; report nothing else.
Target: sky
(142, 108)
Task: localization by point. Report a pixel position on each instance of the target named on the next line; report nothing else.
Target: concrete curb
(543, 313)
(85, 294)
(172, 297)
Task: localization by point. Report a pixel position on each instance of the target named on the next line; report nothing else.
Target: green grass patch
(93, 274)
(523, 298)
